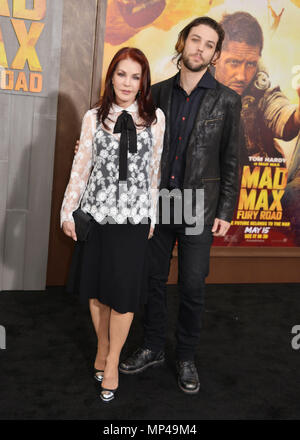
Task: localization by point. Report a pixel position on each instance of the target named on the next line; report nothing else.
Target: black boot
(188, 379)
(141, 359)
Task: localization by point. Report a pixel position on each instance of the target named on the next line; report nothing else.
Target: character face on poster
(259, 62)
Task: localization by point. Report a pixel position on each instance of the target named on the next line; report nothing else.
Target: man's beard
(194, 68)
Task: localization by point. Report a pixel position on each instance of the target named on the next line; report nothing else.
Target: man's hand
(220, 227)
(76, 147)
(150, 235)
(69, 230)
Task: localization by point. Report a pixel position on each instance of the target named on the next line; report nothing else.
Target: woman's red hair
(145, 103)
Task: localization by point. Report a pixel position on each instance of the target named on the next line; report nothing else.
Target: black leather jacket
(212, 151)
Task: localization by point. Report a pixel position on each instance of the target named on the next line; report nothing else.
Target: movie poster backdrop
(268, 206)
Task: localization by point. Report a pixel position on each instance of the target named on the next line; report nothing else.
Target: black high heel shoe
(98, 377)
(107, 395)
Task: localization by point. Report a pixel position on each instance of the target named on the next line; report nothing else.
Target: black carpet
(247, 366)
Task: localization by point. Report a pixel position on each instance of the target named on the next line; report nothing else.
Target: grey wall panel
(5, 124)
(21, 111)
(14, 249)
(39, 203)
(3, 184)
(2, 235)
(27, 137)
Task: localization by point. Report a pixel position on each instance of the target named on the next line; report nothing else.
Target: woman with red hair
(113, 189)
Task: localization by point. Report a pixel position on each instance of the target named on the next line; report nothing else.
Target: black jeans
(193, 268)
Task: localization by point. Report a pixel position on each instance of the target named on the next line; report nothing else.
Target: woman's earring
(138, 94)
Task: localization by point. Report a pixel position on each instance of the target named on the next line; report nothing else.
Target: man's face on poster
(237, 65)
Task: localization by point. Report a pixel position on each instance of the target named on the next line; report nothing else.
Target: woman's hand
(150, 235)
(69, 230)
(76, 147)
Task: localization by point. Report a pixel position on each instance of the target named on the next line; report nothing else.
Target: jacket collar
(207, 81)
(207, 101)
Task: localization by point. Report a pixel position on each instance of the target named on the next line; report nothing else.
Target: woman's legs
(112, 329)
(100, 314)
(118, 331)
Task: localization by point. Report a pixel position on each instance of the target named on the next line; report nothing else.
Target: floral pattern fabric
(94, 180)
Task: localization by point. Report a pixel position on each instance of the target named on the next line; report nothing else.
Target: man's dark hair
(242, 27)
(196, 22)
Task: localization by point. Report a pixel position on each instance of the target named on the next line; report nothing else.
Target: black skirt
(112, 266)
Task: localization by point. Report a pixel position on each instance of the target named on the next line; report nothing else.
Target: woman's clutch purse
(83, 223)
